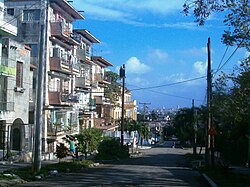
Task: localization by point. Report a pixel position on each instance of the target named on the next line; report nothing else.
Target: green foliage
(231, 106)
(237, 18)
(189, 121)
(184, 124)
(110, 149)
(61, 151)
(114, 89)
(92, 137)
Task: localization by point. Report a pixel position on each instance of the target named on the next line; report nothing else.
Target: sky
(164, 51)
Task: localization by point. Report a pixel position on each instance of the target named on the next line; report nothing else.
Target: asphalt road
(159, 166)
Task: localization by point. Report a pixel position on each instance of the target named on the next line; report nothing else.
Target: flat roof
(71, 10)
(101, 61)
(87, 35)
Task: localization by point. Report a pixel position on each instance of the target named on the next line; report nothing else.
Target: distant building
(130, 107)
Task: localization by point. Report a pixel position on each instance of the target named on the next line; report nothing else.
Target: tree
(184, 125)
(231, 113)
(231, 92)
(89, 140)
(237, 18)
(113, 89)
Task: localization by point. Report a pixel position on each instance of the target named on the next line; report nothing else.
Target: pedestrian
(72, 147)
(173, 146)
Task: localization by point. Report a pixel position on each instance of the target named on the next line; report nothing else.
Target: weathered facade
(15, 130)
(74, 79)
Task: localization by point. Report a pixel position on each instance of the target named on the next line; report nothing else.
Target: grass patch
(4, 177)
(226, 178)
(28, 175)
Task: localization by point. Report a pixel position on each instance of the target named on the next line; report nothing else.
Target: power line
(163, 93)
(229, 58)
(170, 84)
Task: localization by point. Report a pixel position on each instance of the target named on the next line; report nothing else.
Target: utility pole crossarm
(144, 108)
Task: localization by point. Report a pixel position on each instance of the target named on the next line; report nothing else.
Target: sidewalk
(6, 165)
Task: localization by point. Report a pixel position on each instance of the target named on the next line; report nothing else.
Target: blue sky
(159, 45)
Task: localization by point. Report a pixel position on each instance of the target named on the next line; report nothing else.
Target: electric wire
(170, 84)
(233, 53)
(167, 94)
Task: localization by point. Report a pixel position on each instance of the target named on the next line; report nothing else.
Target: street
(159, 166)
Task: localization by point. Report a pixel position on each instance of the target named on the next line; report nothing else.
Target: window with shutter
(19, 74)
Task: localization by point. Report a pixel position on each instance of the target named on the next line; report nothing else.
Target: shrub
(110, 149)
(61, 151)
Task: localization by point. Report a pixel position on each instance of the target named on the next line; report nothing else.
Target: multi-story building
(84, 81)
(130, 107)
(15, 130)
(100, 82)
(61, 66)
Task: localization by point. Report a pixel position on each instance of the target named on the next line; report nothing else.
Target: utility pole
(194, 129)
(209, 137)
(144, 108)
(122, 75)
(40, 89)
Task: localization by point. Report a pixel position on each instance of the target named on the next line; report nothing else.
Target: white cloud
(131, 11)
(195, 52)
(102, 12)
(157, 55)
(154, 6)
(200, 67)
(133, 65)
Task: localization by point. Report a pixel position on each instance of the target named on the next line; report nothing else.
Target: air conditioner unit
(19, 89)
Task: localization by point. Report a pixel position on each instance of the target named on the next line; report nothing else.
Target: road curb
(210, 181)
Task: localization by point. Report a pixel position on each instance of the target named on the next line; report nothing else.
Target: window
(19, 74)
(10, 11)
(34, 50)
(31, 15)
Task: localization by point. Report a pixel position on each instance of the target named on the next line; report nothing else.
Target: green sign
(7, 70)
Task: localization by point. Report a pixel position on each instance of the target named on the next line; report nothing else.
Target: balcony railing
(63, 31)
(60, 129)
(7, 66)
(129, 105)
(100, 77)
(58, 98)
(59, 64)
(82, 82)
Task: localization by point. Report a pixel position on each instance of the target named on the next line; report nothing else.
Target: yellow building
(130, 107)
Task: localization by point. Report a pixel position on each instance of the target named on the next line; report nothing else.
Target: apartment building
(130, 107)
(61, 66)
(15, 130)
(100, 82)
(84, 82)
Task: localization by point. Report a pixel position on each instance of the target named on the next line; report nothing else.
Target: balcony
(82, 54)
(7, 67)
(129, 105)
(82, 82)
(58, 98)
(63, 32)
(102, 79)
(8, 24)
(59, 64)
